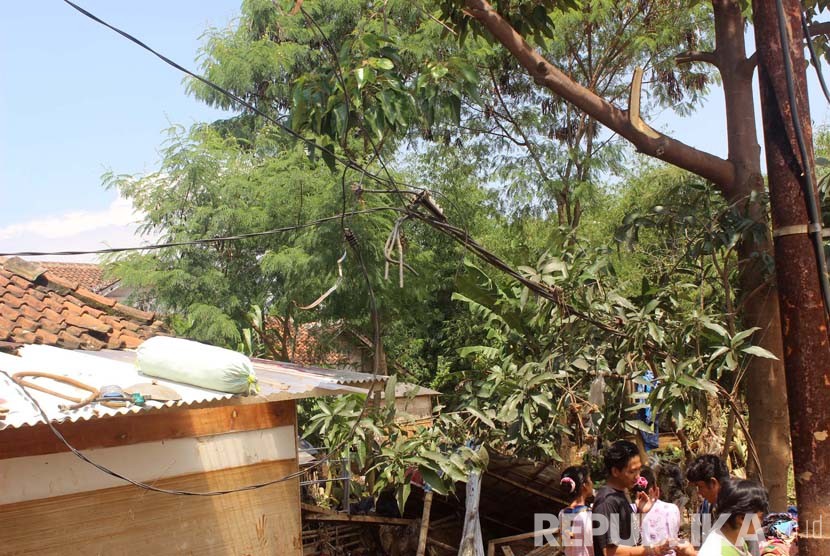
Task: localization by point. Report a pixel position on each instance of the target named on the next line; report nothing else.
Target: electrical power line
(347, 162)
(202, 241)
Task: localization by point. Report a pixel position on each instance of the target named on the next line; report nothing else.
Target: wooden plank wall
(153, 425)
(131, 521)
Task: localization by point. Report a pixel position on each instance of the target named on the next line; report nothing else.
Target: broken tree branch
(634, 106)
(821, 28)
(709, 166)
(696, 56)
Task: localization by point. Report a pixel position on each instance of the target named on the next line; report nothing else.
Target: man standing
(708, 473)
(613, 513)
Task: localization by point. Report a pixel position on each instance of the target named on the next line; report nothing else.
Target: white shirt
(577, 532)
(718, 545)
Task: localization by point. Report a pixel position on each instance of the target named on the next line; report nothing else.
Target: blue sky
(77, 99)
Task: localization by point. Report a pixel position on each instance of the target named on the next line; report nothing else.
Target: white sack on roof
(198, 364)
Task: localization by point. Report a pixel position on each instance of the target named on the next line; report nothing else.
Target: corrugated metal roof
(338, 376)
(277, 381)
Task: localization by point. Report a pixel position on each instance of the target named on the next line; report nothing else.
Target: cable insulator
(350, 237)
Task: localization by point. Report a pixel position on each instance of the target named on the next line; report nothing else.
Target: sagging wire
(255, 486)
(815, 59)
(347, 162)
(394, 242)
(331, 290)
(202, 241)
(813, 213)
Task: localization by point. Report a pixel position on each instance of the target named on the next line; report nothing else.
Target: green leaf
(738, 338)
(542, 400)
(640, 425)
(482, 417)
(434, 481)
(381, 63)
(721, 331)
(758, 351)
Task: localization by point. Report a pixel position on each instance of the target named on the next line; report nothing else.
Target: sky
(77, 100)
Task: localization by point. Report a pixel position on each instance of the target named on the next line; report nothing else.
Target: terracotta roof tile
(26, 324)
(88, 275)
(67, 340)
(24, 336)
(44, 337)
(59, 282)
(50, 315)
(92, 343)
(130, 342)
(135, 314)
(93, 298)
(19, 281)
(16, 291)
(11, 300)
(43, 307)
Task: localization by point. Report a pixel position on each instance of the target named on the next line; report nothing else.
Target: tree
(738, 178)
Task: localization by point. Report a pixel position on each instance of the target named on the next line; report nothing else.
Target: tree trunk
(765, 379)
(805, 322)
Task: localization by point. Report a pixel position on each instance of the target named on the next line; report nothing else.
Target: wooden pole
(422, 537)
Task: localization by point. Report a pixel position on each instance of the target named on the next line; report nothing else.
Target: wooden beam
(491, 546)
(152, 426)
(346, 518)
(441, 545)
(526, 488)
(422, 534)
(507, 551)
(317, 509)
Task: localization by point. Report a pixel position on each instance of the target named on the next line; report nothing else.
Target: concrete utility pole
(803, 317)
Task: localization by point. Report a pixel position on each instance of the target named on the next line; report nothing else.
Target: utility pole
(803, 317)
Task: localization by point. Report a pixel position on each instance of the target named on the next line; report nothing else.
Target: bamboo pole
(422, 536)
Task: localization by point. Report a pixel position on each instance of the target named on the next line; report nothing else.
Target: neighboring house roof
(316, 344)
(40, 306)
(88, 275)
(276, 381)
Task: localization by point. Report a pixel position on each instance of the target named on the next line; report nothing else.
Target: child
(662, 521)
(744, 504)
(575, 520)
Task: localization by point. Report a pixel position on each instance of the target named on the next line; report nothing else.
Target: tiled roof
(315, 344)
(38, 306)
(88, 275)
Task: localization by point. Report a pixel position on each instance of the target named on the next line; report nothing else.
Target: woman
(575, 520)
(743, 504)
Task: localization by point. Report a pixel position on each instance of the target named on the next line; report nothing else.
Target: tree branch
(821, 28)
(706, 165)
(696, 56)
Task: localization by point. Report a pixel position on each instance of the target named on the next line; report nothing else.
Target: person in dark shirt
(707, 473)
(710, 475)
(612, 511)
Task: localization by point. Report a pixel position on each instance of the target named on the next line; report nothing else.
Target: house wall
(54, 503)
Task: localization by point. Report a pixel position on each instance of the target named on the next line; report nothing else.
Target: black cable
(815, 59)
(152, 488)
(349, 163)
(200, 241)
(140, 484)
(815, 226)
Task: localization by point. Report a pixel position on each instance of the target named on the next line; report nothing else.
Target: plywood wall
(130, 521)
